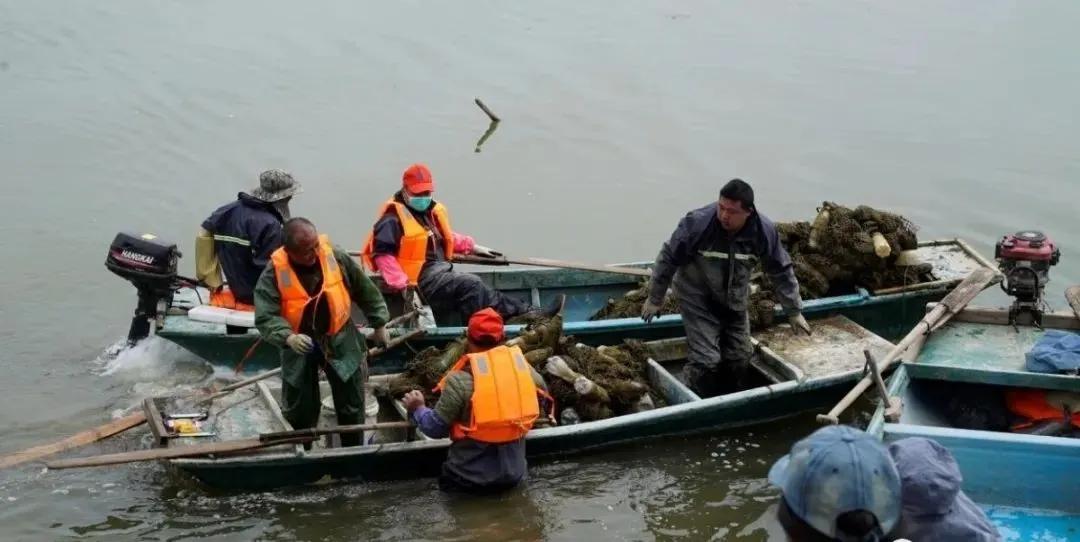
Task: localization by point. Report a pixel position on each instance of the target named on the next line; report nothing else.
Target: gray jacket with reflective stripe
(699, 238)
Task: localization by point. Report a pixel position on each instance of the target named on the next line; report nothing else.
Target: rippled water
(617, 119)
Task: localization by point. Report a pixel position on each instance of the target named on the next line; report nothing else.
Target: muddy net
(839, 250)
(586, 383)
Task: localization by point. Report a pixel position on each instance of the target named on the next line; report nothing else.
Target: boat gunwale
(861, 296)
(1003, 440)
(551, 433)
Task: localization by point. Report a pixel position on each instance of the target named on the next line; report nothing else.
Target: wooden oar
(136, 419)
(153, 454)
(74, 441)
(546, 262)
(957, 299)
(1072, 295)
(113, 428)
(316, 432)
(264, 440)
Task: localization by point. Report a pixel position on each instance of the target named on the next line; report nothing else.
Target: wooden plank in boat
(1051, 319)
(952, 259)
(835, 347)
(154, 420)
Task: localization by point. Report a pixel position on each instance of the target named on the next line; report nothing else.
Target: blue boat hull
(1024, 482)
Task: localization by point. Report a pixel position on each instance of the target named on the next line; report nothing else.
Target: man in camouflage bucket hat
(239, 237)
(276, 185)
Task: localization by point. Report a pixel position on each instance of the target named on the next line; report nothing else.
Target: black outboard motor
(150, 264)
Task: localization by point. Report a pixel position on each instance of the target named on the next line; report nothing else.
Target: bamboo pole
(953, 303)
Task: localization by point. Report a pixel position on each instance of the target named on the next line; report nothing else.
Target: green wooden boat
(792, 374)
(892, 311)
(1023, 481)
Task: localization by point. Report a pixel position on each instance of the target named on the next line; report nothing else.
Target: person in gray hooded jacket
(934, 506)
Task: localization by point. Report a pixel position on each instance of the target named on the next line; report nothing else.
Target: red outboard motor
(1025, 258)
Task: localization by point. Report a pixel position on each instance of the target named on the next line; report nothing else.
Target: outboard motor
(150, 264)
(1025, 258)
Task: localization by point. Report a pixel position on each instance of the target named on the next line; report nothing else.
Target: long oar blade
(968, 289)
(74, 441)
(196, 450)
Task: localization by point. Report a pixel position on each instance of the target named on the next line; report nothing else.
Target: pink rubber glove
(392, 274)
(463, 244)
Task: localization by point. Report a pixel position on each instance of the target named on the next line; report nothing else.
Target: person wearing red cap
(412, 245)
(489, 400)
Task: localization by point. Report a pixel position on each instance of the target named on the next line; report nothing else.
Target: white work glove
(381, 335)
(300, 343)
(799, 324)
(649, 311)
(481, 250)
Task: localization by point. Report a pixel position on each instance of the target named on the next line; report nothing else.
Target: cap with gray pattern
(275, 185)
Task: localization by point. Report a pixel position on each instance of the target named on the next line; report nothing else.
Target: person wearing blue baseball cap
(838, 484)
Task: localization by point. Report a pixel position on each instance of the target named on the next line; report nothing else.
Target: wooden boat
(791, 374)
(1023, 481)
(891, 312)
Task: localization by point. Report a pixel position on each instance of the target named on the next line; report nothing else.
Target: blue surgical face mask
(419, 203)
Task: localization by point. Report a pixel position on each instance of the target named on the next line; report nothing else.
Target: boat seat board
(1008, 469)
(950, 260)
(836, 346)
(987, 354)
(673, 390)
(219, 315)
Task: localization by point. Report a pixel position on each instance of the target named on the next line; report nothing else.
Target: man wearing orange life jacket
(412, 245)
(489, 400)
(303, 302)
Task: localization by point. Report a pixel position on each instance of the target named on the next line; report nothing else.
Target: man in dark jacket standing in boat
(487, 420)
(303, 303)
(239, 237)
(710, 257)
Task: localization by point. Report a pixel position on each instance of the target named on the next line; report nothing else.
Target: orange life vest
(1033, 406)
(412, 251)
(224, 298)
(505, 399)
(294, 297)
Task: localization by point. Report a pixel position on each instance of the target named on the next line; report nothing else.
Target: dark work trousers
(448, 290)
(483, 468)
(301, 404)
(717, 336)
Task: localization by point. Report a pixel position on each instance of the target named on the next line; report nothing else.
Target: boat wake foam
(157, 367)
